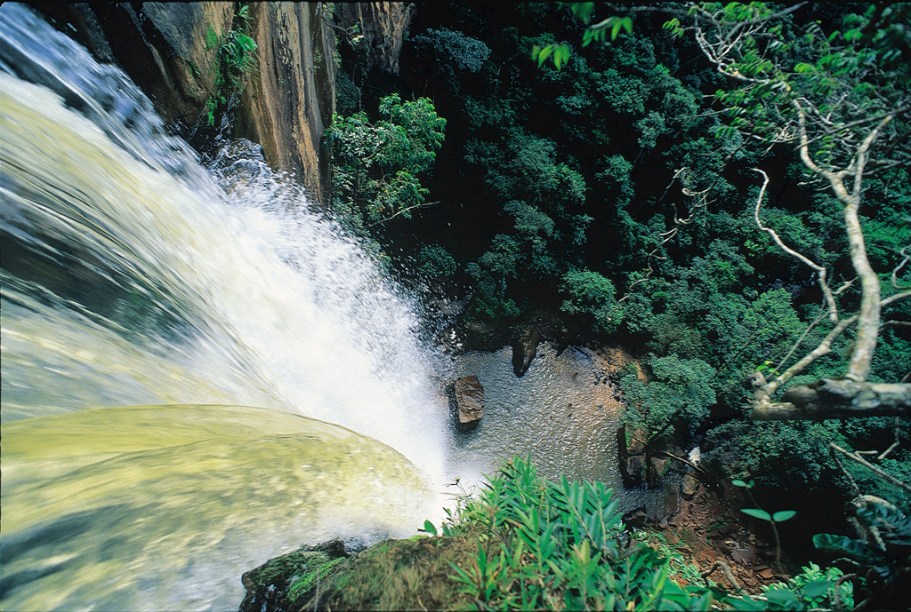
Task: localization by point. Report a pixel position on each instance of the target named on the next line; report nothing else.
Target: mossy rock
(280, 582)
(412, 574)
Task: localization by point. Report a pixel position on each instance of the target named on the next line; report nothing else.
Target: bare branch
(804, 146)
(845, 471)
(838, 399)
(902, 264)
(824, 348)
(820, 271)
(403, 211)
(763, 390)
(800, 340)
(868, 325)
(884, 475)
(719, 564)
(894, 445)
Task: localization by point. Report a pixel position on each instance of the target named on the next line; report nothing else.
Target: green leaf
(583, 11)
(842, 544)
(742, 484)
(852, 35)
(817, 588)
(429, 528)
(615, 30)
(782, 597)
(542, 53)
(757, 513)
(559, 56)
(627, 23)
(783, 515)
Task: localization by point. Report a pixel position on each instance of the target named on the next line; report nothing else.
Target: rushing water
(149, 302)
(133, 276)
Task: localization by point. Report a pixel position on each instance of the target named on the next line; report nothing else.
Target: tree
(843, 100)
(376, 167)
(680, 391)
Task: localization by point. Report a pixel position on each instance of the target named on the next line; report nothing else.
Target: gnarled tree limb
(821, 272)
(837, 399)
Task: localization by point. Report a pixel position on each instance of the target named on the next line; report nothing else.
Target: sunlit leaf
(429, 528)
(757, 513)
(783, 515)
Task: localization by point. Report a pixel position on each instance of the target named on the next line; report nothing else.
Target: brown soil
(707, 530)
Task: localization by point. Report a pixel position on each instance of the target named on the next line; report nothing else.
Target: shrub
(559, 545)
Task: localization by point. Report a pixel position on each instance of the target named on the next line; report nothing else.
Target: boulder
(276, 585)
(690, 486)
(524, 349)
(657, 469)
(469, 398)
(634, 473)
(635, 518)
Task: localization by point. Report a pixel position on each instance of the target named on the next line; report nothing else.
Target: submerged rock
(469, 397)
(524, 349)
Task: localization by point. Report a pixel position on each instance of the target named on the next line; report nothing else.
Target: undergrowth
(235, 57)
(526, 543)
(562, 546)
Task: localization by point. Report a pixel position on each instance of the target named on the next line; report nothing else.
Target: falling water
(132, 276)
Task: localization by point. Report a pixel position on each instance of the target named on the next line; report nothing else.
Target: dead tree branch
(884, 475)
(821, 272)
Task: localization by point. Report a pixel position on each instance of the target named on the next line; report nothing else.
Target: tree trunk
(838, 399)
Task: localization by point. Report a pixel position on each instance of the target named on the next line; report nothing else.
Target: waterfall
(132, 276)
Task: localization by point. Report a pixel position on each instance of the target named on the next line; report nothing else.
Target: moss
(280, 582)
(313, 574)
(397, 575)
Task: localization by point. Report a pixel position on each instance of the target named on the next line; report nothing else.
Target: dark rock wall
(383, 26)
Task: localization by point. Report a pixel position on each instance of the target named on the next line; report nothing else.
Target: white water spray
(132, 275)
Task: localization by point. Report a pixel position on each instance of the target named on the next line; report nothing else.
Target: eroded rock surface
(469, 397)
(169, 51)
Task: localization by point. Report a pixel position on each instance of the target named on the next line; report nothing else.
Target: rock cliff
(167, 49)
(382, 27)
(291, 97)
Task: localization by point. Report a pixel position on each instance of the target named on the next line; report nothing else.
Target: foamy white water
(131, 275)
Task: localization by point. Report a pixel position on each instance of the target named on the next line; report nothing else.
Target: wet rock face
(524, 349)
(167, 50)
(383, 26)
(469, 397)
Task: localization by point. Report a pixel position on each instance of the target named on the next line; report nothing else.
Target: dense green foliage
(678, 394)
(548, 545)
(376, 166)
